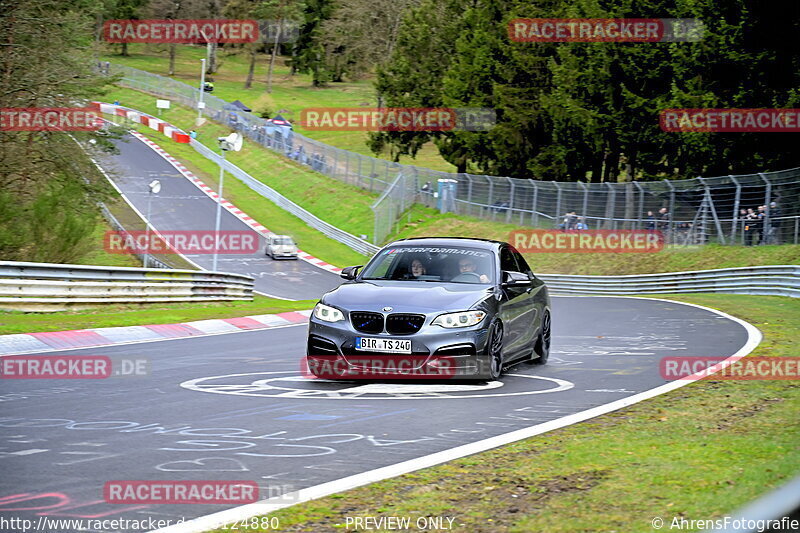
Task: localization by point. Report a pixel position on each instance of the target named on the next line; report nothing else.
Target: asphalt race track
(235, 407)
(182, 206)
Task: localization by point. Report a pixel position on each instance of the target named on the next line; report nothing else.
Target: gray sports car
(432, 308)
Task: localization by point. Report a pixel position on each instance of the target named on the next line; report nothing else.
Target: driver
(467, 264)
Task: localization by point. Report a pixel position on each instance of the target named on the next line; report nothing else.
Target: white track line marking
(214, 520)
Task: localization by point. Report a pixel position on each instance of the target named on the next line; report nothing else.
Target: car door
(515, 308)
(535, 301)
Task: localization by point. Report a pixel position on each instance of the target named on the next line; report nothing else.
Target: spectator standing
(651, 221)
(760, 216)
(774, 231)
(749, 227)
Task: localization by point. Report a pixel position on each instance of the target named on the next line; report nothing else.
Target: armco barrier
(778, 280)
(45, 286)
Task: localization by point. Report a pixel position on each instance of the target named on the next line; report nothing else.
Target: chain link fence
(691, 212)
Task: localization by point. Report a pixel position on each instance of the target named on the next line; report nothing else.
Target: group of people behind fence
(572, 221)
(761, 225)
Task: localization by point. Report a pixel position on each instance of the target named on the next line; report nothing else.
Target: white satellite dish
(231, 143)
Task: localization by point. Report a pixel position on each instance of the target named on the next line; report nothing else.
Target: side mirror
(513, 279)
(350, 272)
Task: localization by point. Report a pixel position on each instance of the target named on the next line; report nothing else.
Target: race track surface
(235, 407)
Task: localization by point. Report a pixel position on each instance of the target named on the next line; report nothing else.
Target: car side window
(507, 261)
(523, 265)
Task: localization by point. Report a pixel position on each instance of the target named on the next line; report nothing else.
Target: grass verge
(699, 452)
(142, 314)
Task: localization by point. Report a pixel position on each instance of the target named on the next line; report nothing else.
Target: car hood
(406, 297)
(283, 248)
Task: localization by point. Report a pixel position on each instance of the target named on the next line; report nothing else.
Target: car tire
(494, 351)
(542, 347)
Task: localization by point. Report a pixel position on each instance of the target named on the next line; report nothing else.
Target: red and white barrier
(173, 132)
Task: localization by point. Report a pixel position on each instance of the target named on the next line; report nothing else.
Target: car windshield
(283, 241)
(454, 264)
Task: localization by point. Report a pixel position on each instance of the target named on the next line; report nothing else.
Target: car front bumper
(436, 352)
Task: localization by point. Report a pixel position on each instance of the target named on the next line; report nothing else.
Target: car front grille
(404, 324)
(367, 322)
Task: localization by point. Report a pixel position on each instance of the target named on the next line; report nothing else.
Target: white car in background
(281, 246)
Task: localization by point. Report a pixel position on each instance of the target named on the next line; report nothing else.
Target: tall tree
(414, 74)
(361, 34)
(48, 209)
(308, 53)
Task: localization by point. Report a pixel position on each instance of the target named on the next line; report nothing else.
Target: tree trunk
(251, 71)
(125, 49)
(272, 59)
(172, 49)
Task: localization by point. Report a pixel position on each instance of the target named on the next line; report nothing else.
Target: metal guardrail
(45, 286)
(777, 280)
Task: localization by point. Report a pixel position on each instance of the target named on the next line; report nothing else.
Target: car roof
(486, 244)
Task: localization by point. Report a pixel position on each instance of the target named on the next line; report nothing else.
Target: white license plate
(370, 344)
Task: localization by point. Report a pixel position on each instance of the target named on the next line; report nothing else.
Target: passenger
(417, 268)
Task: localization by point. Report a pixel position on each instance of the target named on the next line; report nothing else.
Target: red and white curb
(24, 343)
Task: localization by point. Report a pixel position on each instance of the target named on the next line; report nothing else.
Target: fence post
(558, 202)
(585, 208)
(534, 213)
(735, 221)
(670, 209)
(717, 223)
(641, 205)
(611, 205)
(765, 226)
(491, 196)
(510, 200)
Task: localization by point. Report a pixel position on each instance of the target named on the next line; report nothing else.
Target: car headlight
(327, 313)
(462, 319)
